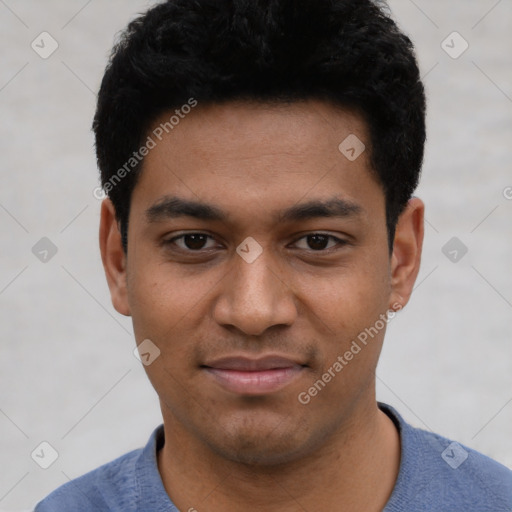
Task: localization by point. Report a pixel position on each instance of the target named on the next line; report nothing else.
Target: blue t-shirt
(436, 475)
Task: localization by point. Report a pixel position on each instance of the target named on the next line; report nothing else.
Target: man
(260, 159)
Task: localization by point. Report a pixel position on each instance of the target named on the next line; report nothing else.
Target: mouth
(246, 376)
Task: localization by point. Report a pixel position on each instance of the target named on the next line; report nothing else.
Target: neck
(357, 467)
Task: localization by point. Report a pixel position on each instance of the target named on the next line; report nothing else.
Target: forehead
(307, 127)
(246, 155)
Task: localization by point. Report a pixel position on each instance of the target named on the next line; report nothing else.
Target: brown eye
(191, 241)
(319, 242)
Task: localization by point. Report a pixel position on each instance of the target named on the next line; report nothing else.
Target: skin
(226, 451)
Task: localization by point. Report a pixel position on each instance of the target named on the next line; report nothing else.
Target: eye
(191, 242)
(319, 241)
(196, 242)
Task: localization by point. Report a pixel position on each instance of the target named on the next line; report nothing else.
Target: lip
(247, 376)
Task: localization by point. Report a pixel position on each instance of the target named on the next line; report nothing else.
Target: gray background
(67, 372)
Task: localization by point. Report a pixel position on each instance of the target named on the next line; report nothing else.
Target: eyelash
(327, 250)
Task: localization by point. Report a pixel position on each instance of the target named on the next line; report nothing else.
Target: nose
(254, 297)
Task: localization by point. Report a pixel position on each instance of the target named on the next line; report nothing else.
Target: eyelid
(340, 242)
(169, 241)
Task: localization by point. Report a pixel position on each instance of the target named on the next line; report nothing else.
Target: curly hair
(347, 52)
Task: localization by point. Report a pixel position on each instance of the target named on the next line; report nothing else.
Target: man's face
(244, 334)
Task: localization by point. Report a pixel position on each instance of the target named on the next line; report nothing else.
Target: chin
(260, 444)
(263, 454)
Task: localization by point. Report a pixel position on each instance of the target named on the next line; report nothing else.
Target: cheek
(351, 350)
(158, 300)
(351, 298)
(165, 309)
(349, 309)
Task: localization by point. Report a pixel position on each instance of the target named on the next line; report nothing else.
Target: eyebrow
(170, 207)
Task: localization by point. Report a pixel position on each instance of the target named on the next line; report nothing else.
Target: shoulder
(108, 486)
(437, 473)
(458, 476)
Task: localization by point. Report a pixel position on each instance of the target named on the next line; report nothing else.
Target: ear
(406, 256)
(113, 257)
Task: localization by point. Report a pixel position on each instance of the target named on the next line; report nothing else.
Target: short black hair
(348, 52)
